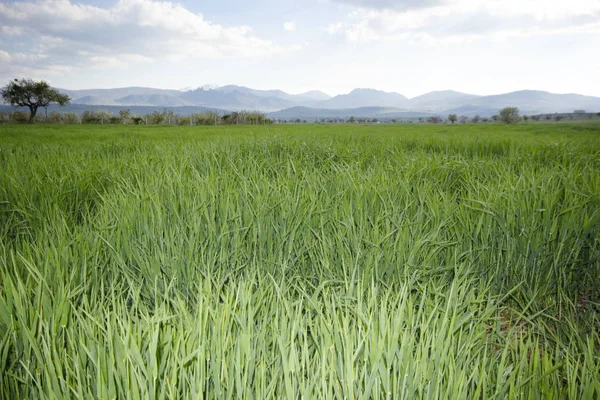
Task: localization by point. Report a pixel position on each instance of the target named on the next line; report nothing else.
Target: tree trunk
(32, 112)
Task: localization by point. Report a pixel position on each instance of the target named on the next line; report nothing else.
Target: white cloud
(391, 4)
(12, 31)
(289, 26)
(465, 20)
(335, 28)
(129, 32)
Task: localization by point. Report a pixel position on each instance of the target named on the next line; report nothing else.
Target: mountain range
(316, 104)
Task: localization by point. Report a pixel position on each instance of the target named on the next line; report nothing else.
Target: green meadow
(313, 261)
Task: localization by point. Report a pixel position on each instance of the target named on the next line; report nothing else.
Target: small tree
(124, 115)
(509, 115)
(156, 117)
(476, 119)
(452, 118)
(31, 94)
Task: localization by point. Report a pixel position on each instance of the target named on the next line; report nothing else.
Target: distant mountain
(365, 98)
(116, 93)
(314, 95)
(229, 97)
(93, 100)
(311, 114)
(311, 96)
(535, 102)
(161, 100)
(135, 110)
(439, 100)
(233, 97)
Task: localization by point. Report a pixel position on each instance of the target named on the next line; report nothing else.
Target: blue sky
(408, 46)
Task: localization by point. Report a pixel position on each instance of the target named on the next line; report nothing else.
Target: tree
(452, 118)
(168, 115)
(157, 117)
(476, 119)
(509, 115)
(124, 115)
(32, 94)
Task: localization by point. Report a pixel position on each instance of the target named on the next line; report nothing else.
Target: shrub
(54, 118)
(509, 115)
(70, 118)
(19, 117)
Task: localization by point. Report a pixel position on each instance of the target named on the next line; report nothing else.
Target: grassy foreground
(300, 262)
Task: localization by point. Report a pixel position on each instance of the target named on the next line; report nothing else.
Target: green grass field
(404, 262)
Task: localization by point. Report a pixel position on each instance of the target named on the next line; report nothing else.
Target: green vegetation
(509, 115)
(33, 95)
(300, 261)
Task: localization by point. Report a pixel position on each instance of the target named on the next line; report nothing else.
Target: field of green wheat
(342, 262)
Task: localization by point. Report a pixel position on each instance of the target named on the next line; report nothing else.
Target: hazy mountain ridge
(361, 112)
(365, 98)
(233, 97)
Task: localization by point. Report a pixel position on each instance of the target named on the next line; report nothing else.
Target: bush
(54, 118)
(509, 115)
(19, 117)
(70, 118)
(96, 117)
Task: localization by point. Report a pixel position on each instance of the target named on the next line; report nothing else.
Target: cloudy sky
(408, 46)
